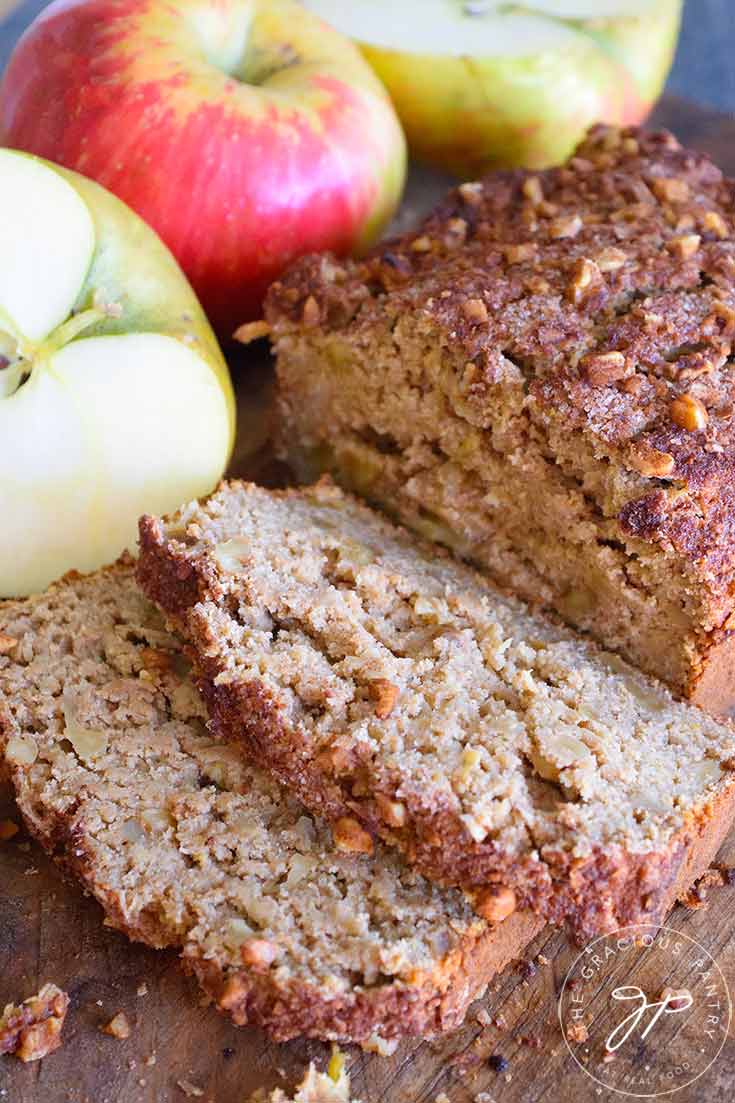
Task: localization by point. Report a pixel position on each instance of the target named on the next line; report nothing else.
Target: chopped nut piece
(118, 1027)
(496, 904)
(311, 313)
(156, 661)
(714, 223)
(585, 275)
(517, 254)
(351, 837)
(532, 190)
(604, 368)
(7, 643)
(33, 1029)
(609, 260)
(567, 226)
(336, 759)
(392, 811)
(684, 247)
(633, 385)
(670, 190)
(8, 830)
(385, 694)
(577, 1032)
(421, 244)
(647, 460)
(631, 147)
(259, 953)
(251, 331)
(472, 193)
(474, 310)
(234, 992)
(689, 413)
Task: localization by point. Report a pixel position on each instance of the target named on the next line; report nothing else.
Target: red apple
(246, 132)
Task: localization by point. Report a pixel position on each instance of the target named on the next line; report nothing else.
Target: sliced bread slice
(395, 692)
(186, 846)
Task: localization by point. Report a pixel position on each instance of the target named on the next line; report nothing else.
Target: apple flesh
(114, 397)
(482, 84)
(245, 132)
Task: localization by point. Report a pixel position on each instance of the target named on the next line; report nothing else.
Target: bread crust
(604, 891)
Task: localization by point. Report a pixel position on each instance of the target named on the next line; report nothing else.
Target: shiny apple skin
(237, 178)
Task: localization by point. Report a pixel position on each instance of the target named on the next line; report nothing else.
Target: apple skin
(473, 115)
(237, 178)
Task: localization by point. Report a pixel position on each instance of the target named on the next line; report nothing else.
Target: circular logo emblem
(645, 1011)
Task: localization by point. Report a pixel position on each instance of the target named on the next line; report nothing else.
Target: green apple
(481, 84)
(114, 395)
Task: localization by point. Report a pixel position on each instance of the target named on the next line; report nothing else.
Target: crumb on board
(32, 1029)
(577, 1032)
(332, 1086)
(192, 1091)
(382, 1047)
(118, 1026)
(715, 877)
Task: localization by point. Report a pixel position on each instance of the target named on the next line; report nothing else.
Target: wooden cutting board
(50, 932)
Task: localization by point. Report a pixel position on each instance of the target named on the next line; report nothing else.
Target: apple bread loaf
(186, 846)
(401, 696)
(540, 377)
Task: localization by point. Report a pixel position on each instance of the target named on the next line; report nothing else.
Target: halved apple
(114, 395)
(480, 84)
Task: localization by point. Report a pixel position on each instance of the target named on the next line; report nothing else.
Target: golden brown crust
(609, 284)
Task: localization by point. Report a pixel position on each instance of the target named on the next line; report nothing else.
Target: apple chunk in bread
(482, 84)
(114, 396)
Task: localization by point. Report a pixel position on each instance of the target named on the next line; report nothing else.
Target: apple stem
(70, 329)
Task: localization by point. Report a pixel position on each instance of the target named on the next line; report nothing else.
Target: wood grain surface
(50, 932)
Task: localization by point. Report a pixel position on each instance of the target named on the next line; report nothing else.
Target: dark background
(704, 69)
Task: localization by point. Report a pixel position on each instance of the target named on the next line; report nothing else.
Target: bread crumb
(383, 1047)
(189, 1089)
(332, 1086)
(118, 1026)
(577, 1032)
